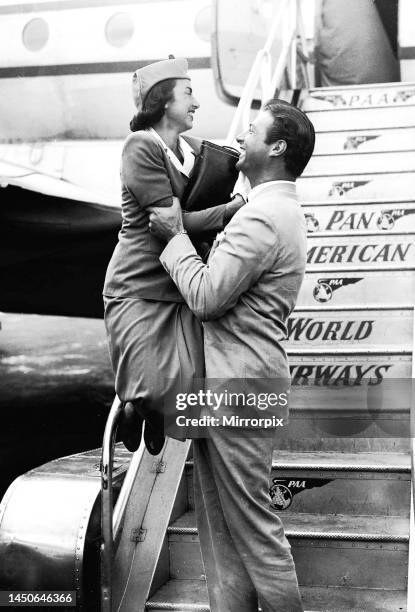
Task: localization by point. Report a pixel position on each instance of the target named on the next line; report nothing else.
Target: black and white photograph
(207, 291)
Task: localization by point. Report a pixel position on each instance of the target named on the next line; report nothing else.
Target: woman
(155, 342)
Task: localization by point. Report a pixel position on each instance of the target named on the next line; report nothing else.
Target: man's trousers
(246, 555)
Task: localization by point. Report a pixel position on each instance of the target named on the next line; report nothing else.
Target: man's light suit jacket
(249, 286)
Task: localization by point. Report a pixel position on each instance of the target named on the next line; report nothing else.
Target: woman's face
(181, 109)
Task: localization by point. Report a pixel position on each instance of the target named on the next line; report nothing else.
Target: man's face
(181, 109)
(255, 151)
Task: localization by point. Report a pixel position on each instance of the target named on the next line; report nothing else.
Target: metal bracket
(138, 535)
(158, 467)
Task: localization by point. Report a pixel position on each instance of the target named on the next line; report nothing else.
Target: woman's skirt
(156, 350)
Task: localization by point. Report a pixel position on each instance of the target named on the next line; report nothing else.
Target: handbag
(213, 177)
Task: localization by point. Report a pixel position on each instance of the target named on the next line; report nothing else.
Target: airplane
(65, 108)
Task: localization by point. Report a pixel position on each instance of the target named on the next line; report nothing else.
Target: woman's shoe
(154, 439)
(130, 428)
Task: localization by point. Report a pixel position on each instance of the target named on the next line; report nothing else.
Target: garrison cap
(145, 78)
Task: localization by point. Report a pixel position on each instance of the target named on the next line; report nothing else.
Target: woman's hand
(166, 221)
(233, 206)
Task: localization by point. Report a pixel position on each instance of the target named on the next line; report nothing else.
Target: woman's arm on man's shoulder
(211, 219)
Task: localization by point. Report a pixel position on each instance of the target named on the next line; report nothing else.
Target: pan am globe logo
(312, 223)
(387, 218)
(404, 95)
(340, 188)
(352, 143)
(281, 496)
(324, 288)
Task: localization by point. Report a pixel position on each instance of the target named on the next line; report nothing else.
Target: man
(244, 295)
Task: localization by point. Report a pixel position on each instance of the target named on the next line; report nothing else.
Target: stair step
(356, 186)
(348, 393)
(353, 286)
(365, 483)
(385, 161)
(386, 463)
(361, 96)
(328, 550)
(348, 367)
(321, 430)
(320, 526)
(367, 327)
(356, 118)
(382, 216)
(351, 141)
(191, 596)
(180, 595)
(376, 484)
(366, 249)
(344, 444)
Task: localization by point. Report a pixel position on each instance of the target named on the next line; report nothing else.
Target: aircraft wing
(56, 239)
(33, 180)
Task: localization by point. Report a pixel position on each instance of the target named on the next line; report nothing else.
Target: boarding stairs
(340, 480)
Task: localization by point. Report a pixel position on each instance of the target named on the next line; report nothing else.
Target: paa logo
(312, 223)
(353, 142)
(404, 96)
(340, 188)
(323, 291)
(335, 100)
(387, 218)
(283, 490)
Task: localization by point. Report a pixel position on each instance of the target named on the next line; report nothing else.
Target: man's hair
(154, 105)
(293, 126)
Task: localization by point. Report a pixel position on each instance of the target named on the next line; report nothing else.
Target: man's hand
(166, 222)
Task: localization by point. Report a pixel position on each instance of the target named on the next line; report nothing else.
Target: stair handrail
(112, 518)
(288, 19)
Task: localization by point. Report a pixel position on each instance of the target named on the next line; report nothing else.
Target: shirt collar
(286, 185)
(188, 154)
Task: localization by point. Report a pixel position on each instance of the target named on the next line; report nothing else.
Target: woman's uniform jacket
(149, 178)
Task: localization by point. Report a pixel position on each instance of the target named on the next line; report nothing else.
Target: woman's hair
(153, 105)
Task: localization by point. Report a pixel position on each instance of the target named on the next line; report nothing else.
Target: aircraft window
(35, 34)
(204, 23)
(119, 29)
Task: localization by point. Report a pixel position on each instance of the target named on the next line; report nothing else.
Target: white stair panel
(356, 287)
(333, 164)
(350, 216)
(357, 187)
(398, 139)
(363, 249)
(363, 118)
(367, 328)
(361, 96)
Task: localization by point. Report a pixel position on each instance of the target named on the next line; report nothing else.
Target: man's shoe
(130, 428)
(154, 439)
